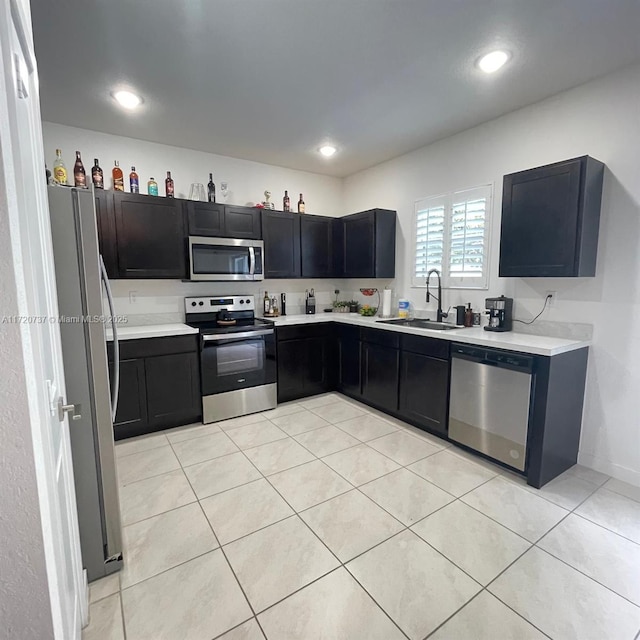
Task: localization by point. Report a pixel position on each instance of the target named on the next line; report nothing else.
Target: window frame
(448, 199)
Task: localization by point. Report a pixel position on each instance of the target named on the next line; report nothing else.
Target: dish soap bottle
(468, 316)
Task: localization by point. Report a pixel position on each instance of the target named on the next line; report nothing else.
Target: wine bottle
(79, 174)
(286, 202)
(59, 169)
(118, 178)
(97, 176)
(301, 204)
(152, 187)
(168, 185)
(134, 182)
(211, 189)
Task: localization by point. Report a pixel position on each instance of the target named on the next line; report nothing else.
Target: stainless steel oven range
(237, 356)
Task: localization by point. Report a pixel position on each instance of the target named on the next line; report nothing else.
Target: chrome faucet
(440, 314)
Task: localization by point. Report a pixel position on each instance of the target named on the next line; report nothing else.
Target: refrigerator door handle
(116, 346)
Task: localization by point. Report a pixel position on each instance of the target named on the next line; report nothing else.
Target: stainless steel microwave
(219, 259)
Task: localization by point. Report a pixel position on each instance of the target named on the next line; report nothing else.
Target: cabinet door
(317, 376)
(151, 239)
(316, 240)
(292, 369)
(424, 390)
(359, 245)
(131, 416)
(205, 219)
(349, 361)
(380, 374)
(540, 221)
(173, 389)
(281, 235)
(106, 223)
(242, 222)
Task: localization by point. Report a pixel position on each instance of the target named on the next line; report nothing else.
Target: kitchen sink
(421, 324)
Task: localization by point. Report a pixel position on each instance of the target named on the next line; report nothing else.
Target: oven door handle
(252, 261)
(217, 337)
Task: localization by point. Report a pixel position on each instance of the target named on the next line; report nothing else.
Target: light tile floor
(322, 519)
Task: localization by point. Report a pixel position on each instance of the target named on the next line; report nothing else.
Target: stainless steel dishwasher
(489, 402)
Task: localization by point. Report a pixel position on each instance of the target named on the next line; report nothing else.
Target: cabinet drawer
(380, 336)
(145, 347)
(304, 331)
(426, 346)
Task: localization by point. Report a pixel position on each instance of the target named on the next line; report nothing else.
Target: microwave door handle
(252, 261)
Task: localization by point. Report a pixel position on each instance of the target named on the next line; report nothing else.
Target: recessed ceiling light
(493, 61)
(327, 150)
(127, 99)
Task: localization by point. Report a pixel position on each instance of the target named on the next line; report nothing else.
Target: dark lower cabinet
(305, 361)
(380, 375)
(348, 357)
(424, 391)
(173, 389)
(281, 234)
(159, 384)
(131, 415)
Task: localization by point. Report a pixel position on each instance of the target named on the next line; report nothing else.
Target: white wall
(247, 180)
(601, 119)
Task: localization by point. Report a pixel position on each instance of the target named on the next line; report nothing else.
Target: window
(451, 234)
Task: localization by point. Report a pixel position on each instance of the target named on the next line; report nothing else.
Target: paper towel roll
(386, 303)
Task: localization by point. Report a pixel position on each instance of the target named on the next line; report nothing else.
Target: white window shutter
(451, 234)
(429, 233)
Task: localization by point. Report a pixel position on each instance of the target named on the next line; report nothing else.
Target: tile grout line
(224, 555)
(340, 563)
(405, 527)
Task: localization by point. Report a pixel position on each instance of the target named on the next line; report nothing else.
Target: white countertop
(151, 331)
(513, 341)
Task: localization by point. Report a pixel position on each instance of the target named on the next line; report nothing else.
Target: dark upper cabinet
(242, 222)
(550, 220)
(424, 382)
(205, 219)
(221, 221)
(316, 246)
(173, 389)
(281, 234)
(380, 363)
(106, 224)
(150, 236)
(367, 245)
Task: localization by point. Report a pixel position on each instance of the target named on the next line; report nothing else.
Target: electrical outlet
(133, 297)
(552, 300)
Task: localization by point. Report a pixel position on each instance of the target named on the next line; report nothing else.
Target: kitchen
(460, 486)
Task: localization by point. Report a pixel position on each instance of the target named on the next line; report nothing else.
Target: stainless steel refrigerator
(80, 278)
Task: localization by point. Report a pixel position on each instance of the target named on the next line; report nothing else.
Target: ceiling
(270, 80)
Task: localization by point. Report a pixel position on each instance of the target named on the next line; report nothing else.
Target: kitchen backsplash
(162, 301)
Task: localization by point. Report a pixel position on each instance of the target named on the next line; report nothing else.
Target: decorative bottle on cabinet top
(59, 169)
(97, 176)
(118, 177)
(79, 174)
(152, 187)
(168, 185)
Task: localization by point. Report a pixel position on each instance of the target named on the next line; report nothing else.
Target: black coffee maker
(500, 312)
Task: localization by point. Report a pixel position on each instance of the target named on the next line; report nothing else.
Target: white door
(24, 163)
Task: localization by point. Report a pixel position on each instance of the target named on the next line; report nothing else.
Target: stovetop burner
(223, 314)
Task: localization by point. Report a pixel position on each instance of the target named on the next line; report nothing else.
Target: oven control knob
(201, 303)
(248, 301)
(193, 304)
(241, 301)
